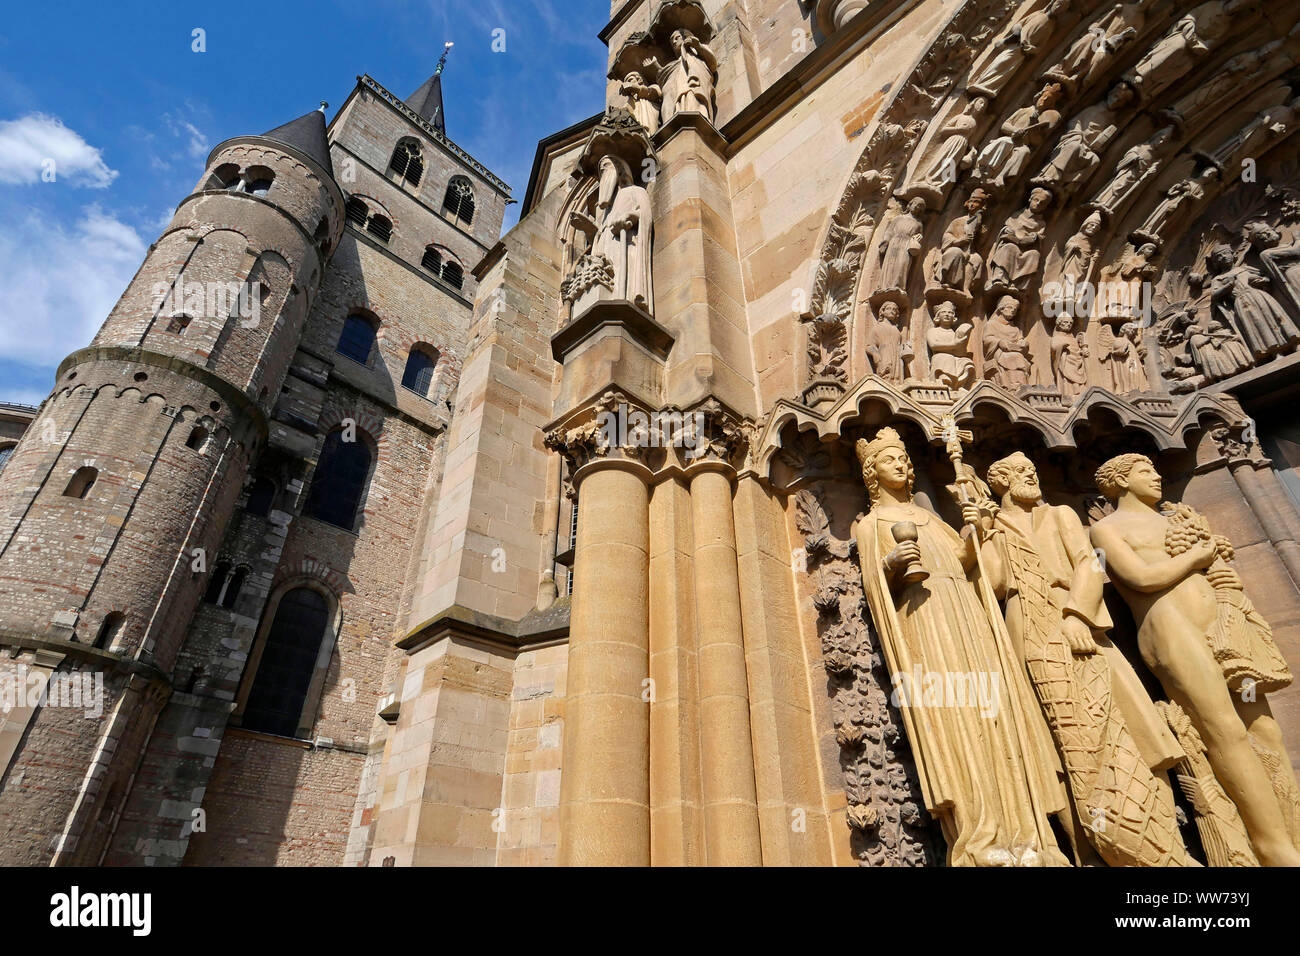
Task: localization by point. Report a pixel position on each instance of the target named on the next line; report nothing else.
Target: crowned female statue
(988, 768)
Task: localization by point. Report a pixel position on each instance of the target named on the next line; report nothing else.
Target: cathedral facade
(870, 447)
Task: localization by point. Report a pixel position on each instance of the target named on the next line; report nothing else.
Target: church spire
(427, 100)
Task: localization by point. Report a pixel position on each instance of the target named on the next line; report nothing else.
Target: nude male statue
(1174, 604)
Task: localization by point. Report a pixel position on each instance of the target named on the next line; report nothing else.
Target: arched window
(380, 227)
(217, 583)
(356, 339)
(357, 211)
(261, 496)
(339, 483)
(5, 452)
(110, 630)
(82, 480)
(178, 324)
(458, 202)
(406, 161)
(225, 176)
(453, 274)
(257, 180)
(234, 586)
(419, 371)
(432, 260)
(288, 661)
(198, 438)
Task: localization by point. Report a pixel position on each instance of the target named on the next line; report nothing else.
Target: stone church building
(856, 343)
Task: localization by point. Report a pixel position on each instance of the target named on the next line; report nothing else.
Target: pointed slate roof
(427, 101)
(307, 135)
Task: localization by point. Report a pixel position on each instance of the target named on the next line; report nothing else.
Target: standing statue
(1127, 354)
(1081, 251)
(1006, 352)
(643, 100)
(988, 775)
(1115, 746)
(1188, 627)
(1133, 169)
(1014, 259)
(949, 344)
(1283, 263)
(899, 245)
(1078, 151)
(1023, 40)
(1271, 123)
(1190, 39)
(1069, 358)
(1171, 210)
(887, 349)
(690, 86)
(1241, 292)
(1090, 55)
(623, 236)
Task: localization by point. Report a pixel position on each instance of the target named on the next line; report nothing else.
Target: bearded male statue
(1115, 746)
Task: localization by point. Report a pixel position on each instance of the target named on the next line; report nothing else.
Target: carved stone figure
(958, 265)
(1268, 124)
(1190, 39)
(1069, 358)
(643, 100)
(887, 349)
(955, 154)
(1283, 264)
(1124, 289)
(1006, 352)
(1014, 259)
(623, 237)
(1078, 151)
(949, 344)
(1081, 251)
(1003, 160)
(1127, 355)
(1090, 55)
(1241, 291)
(1134, 168)
(1173, 574)
(991, 783)
(1170, 211)
(1114, 743)
(1227, 80)
(899, 245)
(1023, 40)
(689, 88)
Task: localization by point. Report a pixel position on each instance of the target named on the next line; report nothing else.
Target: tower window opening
(288, 661)
(356, 339)
(418, 375)
(458, 201)
(198, 438)
(357, 211)
(83, 479)
(380, 227)
(261, 496)
(338, 485)
(406, 162)
(233, 587)
(5, 452)
(217, 583)
(110, 630)
(179, 323)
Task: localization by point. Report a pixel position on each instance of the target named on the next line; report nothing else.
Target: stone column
(726, 748)
(605, 786)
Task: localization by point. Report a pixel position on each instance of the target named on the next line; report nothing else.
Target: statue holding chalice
(989, 774)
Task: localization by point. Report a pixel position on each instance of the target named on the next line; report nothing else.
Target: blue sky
(116, 96)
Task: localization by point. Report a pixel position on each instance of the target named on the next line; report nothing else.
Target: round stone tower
(118, 496)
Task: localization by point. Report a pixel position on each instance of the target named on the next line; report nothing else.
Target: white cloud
(61, 282)
(196, 143)
(30, 143)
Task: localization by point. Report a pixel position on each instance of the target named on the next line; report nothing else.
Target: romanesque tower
(117, 499)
